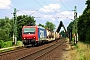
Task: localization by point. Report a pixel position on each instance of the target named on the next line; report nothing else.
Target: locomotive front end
(29, 35)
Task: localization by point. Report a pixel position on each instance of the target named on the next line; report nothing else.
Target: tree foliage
(50, 26)
(84, 24)
(71, 26)
(41, 25)
(6, 26)
(63, 34)
(5, 29)
(23, 20)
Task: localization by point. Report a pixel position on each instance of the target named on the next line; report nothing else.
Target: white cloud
(54, 16)
(50, 8)
(4, 4)
(68, 14)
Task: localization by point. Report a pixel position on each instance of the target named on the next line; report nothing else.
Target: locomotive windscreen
(29, 31)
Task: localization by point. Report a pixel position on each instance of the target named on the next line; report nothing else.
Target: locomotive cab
(29, 35)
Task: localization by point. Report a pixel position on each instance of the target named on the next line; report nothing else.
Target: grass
(82, 52)
(7, 50)
(9, 44)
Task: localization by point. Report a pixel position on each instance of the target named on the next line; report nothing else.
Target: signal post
(14, 28)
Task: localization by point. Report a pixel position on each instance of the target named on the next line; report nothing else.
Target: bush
(1, 43)
(7, 44)
(88, 36)
(19, 43)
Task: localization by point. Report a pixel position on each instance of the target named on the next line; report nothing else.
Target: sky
(43, 10)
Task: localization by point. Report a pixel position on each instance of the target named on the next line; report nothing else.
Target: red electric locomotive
(33, 35)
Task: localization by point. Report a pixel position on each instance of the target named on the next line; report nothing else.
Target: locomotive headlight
(33, 37)
(24, 38)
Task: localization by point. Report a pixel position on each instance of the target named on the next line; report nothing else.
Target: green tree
(1, 43)
(50, 26)
(84, 24)
(63, 34)
(71, 25)
(5, 29)
(23, 20)
(88, 6)
(41, 25)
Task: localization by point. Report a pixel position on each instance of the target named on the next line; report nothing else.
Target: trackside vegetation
(7, 26)
(9, 44)
(82, 51)
(83, 24)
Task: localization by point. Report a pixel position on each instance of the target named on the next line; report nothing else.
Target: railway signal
(14, 27)
(75, 24)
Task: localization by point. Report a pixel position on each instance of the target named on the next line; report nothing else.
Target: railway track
(22, 53)
(13, 51)
(9, 54)
(41, 53)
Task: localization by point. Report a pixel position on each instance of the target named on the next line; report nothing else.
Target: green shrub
(19, 43)
(88, 36)
(1, 43)
(7, 44)
(72, 39)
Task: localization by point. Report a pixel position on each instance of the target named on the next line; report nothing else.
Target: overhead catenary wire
(67, 3)
(41, 6)
(24, 12)
(6, 5)
(55, 11)
(64, 5)
(29, 15)
(44, 8)
(10, 6)
(28, 10)
(33, 12)
(17, 10)
(49, 6)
